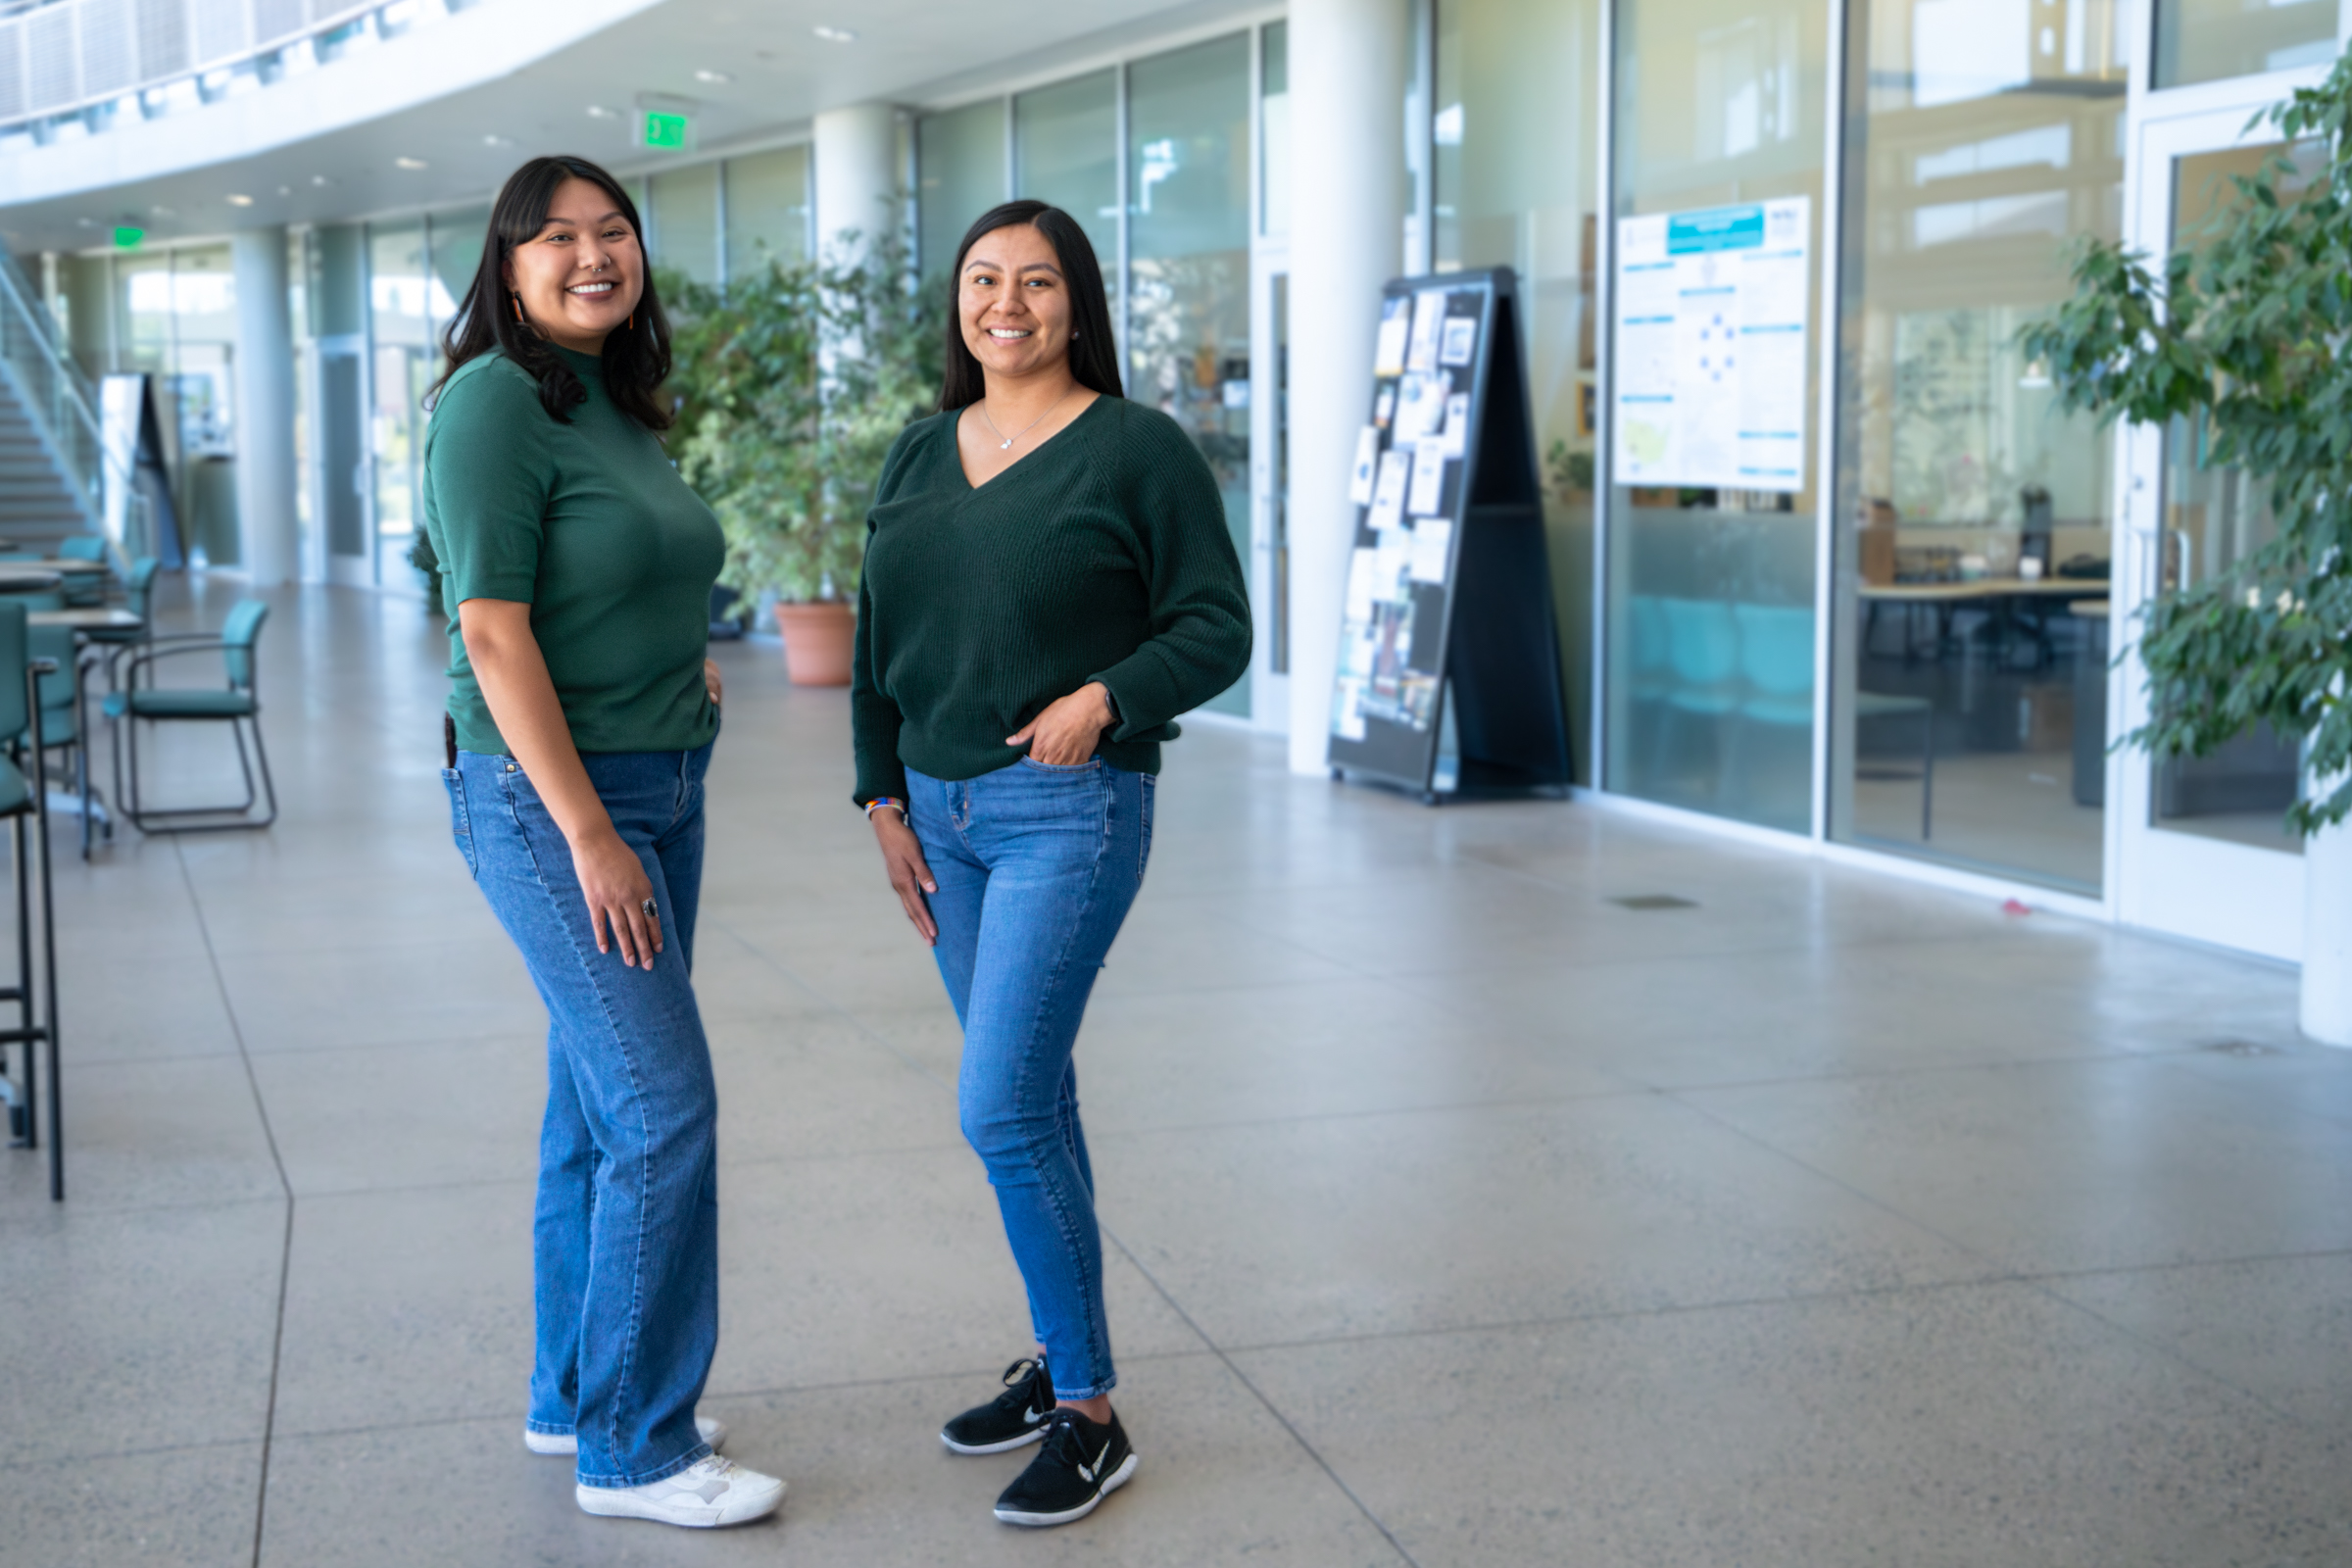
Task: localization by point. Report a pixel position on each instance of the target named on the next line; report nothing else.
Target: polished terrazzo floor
(1461, 1215)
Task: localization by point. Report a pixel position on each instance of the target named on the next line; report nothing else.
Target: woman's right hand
(618, 889)
(902, 859)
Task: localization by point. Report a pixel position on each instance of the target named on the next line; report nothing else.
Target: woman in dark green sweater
(1049, 583)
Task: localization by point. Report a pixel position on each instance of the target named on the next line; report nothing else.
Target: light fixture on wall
(236, 200)
(600, 112)
(834, 35)
(716, 79)
(410, 163)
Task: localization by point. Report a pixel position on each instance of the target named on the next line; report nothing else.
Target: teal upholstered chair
(62, 713)
(85, 589)
(235, 702)
(23, 801)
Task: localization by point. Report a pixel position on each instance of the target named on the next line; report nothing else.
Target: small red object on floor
(2016, 907)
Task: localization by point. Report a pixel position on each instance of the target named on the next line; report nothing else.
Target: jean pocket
(461, 821)
(1093, 765)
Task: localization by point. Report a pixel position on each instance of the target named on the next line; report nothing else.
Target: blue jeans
(627, 1232)
(1036, 868)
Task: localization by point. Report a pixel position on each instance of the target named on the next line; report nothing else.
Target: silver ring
(651, 912)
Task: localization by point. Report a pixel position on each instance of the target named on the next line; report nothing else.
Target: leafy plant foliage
(2244, 337)
(792, 384)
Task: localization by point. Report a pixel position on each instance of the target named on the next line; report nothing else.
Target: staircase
(52, 459)
(38, 504)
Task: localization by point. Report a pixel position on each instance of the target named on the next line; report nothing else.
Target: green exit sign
(667, 133)
(127, 238)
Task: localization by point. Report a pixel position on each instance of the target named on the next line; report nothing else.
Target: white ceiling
(521, 72)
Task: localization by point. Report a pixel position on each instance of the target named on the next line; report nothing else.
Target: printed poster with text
(1711, 346)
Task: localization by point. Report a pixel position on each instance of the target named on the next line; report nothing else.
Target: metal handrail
(59, 400)
(67, 56)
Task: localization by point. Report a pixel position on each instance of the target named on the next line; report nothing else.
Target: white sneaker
(715, 1433)
(709, 1491)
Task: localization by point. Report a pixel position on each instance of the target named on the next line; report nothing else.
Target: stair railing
(63, 405)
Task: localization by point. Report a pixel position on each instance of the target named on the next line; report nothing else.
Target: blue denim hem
(1095, 1392)
(694, 1457)
(550, 1429)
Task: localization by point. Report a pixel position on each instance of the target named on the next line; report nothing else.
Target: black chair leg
(269, 785)
(23, 987)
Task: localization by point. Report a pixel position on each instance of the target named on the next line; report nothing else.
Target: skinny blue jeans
(1037, 867)
(625, 1238)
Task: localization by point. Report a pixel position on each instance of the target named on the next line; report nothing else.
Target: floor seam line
(286, 1253)
(1260, 1395)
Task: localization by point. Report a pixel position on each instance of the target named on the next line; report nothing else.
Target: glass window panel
(1188, 239)
(1711, 635)
(1969, 702)
(1516, 132)
(1274, 129)
(768, 210)
(399, 370)
(1066, 141)
(456, 256)
(685, 221)
(2204, 40)
(201, 398)
(143, 309)
(960, 173)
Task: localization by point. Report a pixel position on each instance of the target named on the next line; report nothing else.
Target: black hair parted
(636, 358)
(1094, 353)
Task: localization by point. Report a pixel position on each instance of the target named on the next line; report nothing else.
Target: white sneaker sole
(1007, 1446)
(625, 1503)
(715, 1433)
(1117, 1479)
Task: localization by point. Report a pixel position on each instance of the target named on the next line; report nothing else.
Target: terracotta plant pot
(817, 642)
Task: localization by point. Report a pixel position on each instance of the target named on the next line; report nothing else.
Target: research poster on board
(1713, 341)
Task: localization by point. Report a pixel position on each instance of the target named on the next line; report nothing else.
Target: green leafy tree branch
(2242, 338)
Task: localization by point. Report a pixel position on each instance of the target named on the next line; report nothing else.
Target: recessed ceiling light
(495, 140)
(320, 180)
(834, 35)
(410, 163)
(714, 78)
(87, 223)
(240, 201)
(160, 210)
(600, 112)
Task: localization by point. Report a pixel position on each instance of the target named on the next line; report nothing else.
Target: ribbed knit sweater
(1102, 556)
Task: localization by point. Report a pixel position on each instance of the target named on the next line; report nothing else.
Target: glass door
(2203, 850)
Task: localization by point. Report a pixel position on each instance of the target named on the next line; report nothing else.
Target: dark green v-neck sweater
(1102, 556)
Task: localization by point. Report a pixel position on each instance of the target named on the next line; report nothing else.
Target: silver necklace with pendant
(1009, 440)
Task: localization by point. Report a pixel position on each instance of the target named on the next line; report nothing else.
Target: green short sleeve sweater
(589, 524)
(1102, 556)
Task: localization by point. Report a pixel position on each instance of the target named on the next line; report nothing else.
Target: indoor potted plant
(795, 382)
(2242, 338)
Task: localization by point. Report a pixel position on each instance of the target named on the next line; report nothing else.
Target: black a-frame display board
(1449, 603)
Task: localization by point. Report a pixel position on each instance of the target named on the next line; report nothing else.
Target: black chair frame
(27, 1032)
(127, 738)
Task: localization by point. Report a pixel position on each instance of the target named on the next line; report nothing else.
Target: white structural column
(1350, 61)
(857, 175)
(269, 525)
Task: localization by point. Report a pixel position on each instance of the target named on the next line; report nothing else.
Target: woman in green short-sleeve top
(576, 570)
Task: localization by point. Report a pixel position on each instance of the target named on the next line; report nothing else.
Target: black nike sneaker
(1080, 1466)
(1012, 1419)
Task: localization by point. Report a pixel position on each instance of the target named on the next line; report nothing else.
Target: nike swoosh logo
(1033, 1417)
(1090, 1471)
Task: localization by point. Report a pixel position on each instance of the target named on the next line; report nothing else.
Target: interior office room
(1863, 1108)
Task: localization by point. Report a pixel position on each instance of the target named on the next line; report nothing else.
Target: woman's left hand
(712, 682)
(1064, 734)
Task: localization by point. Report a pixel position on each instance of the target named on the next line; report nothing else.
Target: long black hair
(636, 357)
(1093, 356)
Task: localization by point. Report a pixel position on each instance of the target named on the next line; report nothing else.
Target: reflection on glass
(960, 173)
(1969, 705)
(1188, 302)
(1065, 150)
(2205, 41)
(1516, 132)
(1274, 129)
(400, 352)
(1710, 636)
(768, 210)
(2214, 518)
(685, 221)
